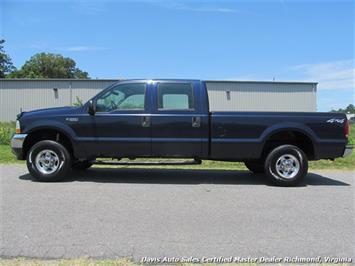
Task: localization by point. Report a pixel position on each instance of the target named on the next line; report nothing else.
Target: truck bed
(241, 135)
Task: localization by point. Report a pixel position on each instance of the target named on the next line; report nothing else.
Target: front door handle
(196, 121)
(145, 121)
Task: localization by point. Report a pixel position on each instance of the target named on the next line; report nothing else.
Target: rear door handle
(196, 121)
(145, 121)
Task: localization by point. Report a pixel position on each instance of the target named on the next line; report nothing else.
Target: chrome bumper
(17, 141)
(348, 150)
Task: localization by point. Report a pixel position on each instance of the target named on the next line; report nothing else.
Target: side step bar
(162, 162)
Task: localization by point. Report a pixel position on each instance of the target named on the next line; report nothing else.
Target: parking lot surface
(109, 213)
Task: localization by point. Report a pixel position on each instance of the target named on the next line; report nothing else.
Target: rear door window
(175, 96)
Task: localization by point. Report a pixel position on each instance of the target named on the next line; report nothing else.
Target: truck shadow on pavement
(183, 176)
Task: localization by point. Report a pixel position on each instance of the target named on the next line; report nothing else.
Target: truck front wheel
(48, 161)
(286, 165)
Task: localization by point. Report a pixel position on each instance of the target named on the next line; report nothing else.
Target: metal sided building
(18, 95)
(262, 96)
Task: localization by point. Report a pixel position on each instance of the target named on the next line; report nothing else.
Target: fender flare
(289, 126)
(52, 125)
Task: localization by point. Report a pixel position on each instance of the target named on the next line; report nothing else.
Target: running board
(187, 162)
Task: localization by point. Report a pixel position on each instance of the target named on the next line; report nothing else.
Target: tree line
(40, 65)
(350, 109)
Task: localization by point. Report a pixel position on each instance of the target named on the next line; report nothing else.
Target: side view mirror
(92, 108)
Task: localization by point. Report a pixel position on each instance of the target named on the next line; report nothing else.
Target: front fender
(50, 124)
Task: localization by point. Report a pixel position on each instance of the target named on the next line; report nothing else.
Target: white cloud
(92, 7)
(335, 75)
(206, 9)
(195, 8)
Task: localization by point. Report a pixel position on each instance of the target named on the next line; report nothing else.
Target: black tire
(58, 155)
(80, 166)
(284, 160)
(257, 167)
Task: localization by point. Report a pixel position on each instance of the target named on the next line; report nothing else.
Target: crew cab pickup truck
(171, 119)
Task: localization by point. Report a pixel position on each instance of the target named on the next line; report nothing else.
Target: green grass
(7, 129)
(347, 163)
(352, 134)
(6, 156)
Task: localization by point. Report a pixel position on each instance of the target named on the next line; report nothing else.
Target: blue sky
(243, 40)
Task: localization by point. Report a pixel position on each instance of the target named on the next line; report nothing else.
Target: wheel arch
(290, 133)
(45, 132)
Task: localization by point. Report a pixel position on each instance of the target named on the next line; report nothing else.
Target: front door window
(122, 97)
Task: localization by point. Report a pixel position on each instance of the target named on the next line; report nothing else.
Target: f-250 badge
(334, 120)
(72, 119)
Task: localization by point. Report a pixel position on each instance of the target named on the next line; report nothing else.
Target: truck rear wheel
(48, 161)
(257, 167)
(286, 165)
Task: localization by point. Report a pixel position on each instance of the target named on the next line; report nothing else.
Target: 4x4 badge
(334, 120)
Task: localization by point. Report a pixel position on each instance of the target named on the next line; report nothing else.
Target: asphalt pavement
(152, 213)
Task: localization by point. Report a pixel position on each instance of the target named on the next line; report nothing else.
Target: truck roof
(262, 81)
(224, 81)
(172, 80)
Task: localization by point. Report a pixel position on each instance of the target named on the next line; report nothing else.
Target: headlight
(18, 127)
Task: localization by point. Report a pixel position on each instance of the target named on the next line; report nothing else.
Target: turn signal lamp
(18, 127)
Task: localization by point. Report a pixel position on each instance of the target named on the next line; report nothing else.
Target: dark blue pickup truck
(171, 119)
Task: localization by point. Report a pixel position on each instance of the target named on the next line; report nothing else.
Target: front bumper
(348, 150)
(17, 145)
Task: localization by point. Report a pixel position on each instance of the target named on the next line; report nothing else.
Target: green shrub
(352, 134)
(6, 132)
(79, 102)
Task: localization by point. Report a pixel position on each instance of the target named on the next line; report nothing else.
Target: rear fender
(289, 126)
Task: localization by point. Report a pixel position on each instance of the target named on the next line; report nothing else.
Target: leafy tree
(350, 109)
(6, 65)
(47, 65)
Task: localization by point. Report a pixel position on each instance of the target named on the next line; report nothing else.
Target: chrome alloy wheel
(287, 166)
(47, 162)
